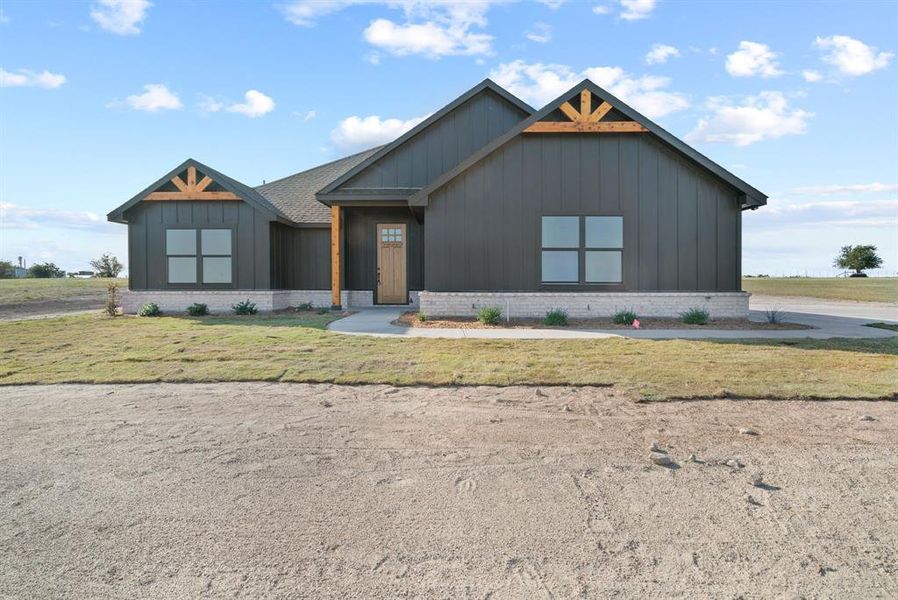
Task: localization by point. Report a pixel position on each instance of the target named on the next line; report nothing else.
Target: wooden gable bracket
(191, 190)
(584, 120)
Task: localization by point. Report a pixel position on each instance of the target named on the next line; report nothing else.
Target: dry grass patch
(866, 289)
(94, 349)
(17, 291)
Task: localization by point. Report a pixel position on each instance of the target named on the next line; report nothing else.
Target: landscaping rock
(868, 418)
(756, 479)
(735, 463)
(656, 448)
(692, 458)
(748, 431)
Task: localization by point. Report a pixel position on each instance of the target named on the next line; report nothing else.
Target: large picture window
(596, 243)
(199, 256)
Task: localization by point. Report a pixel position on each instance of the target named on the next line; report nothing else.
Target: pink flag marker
(635, 323)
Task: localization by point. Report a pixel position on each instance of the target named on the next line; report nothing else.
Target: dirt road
(321, 491)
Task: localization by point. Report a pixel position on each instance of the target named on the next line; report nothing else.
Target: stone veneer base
(221, 301)
(580, 305)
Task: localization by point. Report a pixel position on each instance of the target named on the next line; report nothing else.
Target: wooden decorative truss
(585, 120)
(192, 189)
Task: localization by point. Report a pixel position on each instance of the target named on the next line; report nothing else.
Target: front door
(392, 287)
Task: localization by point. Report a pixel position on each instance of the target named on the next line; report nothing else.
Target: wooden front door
(392, 287)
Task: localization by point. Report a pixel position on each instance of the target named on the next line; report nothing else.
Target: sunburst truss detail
(585, 120)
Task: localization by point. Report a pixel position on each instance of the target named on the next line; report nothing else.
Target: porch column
(336, 243)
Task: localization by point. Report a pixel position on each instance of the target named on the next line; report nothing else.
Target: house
(585, 205)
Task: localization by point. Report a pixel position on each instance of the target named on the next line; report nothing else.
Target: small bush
(323, 310)
(305, 306)
(624, 317)
(773, 316)
(421, 317)
(149, 310)
(695, 316)
(197, 310)
(245, 308)
(111, 307)
(557, 317)
(489, 315)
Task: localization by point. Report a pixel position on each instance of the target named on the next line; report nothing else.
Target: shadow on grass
(310, 320)
(887, 346)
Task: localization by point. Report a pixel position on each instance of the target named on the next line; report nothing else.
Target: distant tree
(7, 270)
(45, 271)
(107, 266)
(858, 259)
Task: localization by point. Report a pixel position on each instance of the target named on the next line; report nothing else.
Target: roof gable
(192, 180)
(401, 165)
(588, 108)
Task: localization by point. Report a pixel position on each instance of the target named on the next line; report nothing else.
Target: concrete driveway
(829, 319)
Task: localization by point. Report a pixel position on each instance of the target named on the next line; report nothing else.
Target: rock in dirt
(692, 458)
(756, 479)
(734, 463)
(748, 431)
(752, 500)
(656, 448)
(659, 458)
(326, 403)
(868, 418)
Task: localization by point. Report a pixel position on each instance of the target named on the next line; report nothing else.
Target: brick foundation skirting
(221, 301)
(721, 305)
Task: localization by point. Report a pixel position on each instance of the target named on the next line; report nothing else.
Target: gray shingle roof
(295, 195)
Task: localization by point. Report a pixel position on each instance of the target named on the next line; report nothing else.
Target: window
(389, 234)
(596, 242)
(211, 265)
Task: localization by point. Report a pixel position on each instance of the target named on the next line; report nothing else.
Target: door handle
(378, 275)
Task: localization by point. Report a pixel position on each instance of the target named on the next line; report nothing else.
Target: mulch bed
(410, 319)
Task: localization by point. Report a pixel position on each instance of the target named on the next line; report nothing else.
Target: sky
(99, 99)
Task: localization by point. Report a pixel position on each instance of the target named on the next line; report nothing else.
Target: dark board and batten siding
(442, 145)
(681, 223)
(300, 257)
(147, 222)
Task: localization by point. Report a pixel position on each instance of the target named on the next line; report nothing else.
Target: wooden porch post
(335, 257)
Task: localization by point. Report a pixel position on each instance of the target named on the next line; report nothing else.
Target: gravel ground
(42, 309)
(322, 491)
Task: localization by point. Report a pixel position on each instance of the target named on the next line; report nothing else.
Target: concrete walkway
(830, 319)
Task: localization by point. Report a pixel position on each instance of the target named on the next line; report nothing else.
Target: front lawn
(96, 349)
(866, 289)
(17, 291)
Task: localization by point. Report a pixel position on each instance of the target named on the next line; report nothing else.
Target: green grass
(96, 349)
(16, 291)
(869, 289)
(889, 326)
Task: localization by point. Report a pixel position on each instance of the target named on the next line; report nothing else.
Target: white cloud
(541, 33)
(765, 116)
(26, 78)
(811, 76)
(255, 105)
(208, 104)
(433, 28)
(123, 17)
(753, 59)
(16, 216)
(553, 4)
(601, 9)
(4, 18)
(539, 83)
(850, 56)
(309, 115)
(430, 39)
(633, 10)
(363, 132)
(857, 188)
(156, 97)
(660, 53)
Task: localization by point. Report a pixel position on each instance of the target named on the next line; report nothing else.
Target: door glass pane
(216, 241)
(603, 266)
(561, 232)
(181, 269)
(560, 266)
(180, 241)
(216, 269)
(604, 232)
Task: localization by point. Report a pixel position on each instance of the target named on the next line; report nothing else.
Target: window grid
(585, 253)
(212, 267)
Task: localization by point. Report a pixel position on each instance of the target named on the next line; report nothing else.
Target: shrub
(323, 310)
(197, 310)
(557, 317)
(45, 271)
(107, 266)
(245, 308)
(305, 306)
(489, 315)
(624, 317)
(773, 316)
(149, 310)
(421, 317)
(111, 307)
(695, 316)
